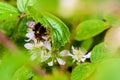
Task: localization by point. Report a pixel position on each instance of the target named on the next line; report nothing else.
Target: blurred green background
(72, 13)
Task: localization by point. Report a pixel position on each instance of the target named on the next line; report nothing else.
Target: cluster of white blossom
(45, 50)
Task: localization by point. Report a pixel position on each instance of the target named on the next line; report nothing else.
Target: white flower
(79, 55)
(31, 36)
(43, 54)
(58, 59)
(29, 46)
(39, 49)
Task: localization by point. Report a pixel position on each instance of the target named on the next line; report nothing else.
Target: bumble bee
(39, 30)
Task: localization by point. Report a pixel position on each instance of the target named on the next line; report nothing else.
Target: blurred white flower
(58, 59)
(30, 35)
(39, 49)
(29, 46)
(79, 55)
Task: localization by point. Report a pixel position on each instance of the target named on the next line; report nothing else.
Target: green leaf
(56, 75)
(22, 5)
(59, 31)
(82, 71)
(98, 53)
(9, 65)
(24, 73)
(7, 11)
(89, 28)
(107, 70)
(8, 26)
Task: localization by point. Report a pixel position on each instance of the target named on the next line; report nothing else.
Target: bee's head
(37, 26)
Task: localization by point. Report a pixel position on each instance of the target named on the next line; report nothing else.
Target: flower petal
(47, 44)
(88, 55)
(74, 50)
(65, 53)
(31, 24)
(50, 63)
(31, 35)
(60, 61)
(83, 59)
(29, 46)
